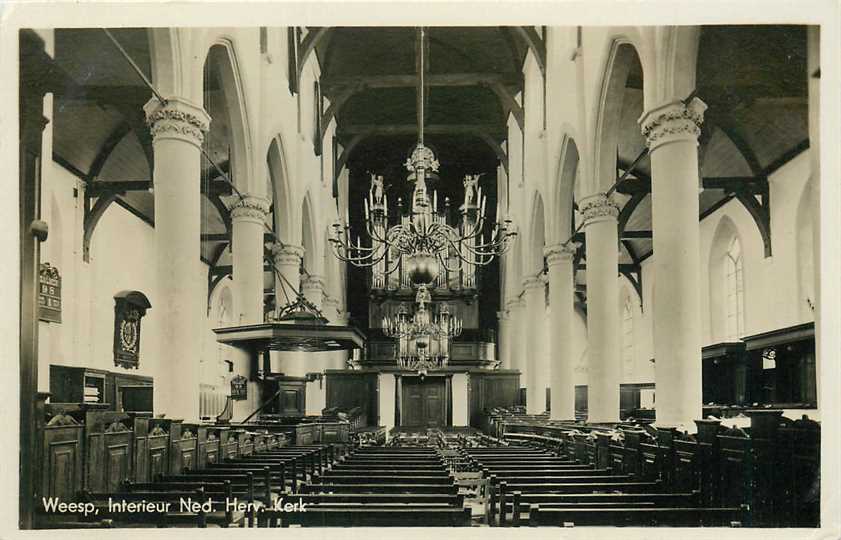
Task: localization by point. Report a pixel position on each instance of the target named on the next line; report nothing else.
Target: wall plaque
(49, 294)
(129, 309)
(239, 388)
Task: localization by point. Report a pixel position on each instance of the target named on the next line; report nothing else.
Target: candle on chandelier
(367, 217)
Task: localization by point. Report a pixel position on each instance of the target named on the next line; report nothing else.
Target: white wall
(388, 389)
(461, 403)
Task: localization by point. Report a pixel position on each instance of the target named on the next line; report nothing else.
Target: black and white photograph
(561, 278)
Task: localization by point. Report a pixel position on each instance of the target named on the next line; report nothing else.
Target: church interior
(420, 276)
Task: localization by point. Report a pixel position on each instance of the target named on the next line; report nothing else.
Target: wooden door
(424, 402)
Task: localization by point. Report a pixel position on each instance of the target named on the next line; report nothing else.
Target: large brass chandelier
(421, 241)
(423, 338)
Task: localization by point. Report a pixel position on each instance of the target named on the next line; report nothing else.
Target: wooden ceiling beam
(336, 104)
(580, 237)
(737, 183)
(509, 103)
(535, 43)
(227, 269)
(433, 129)
(333, 83)
(100, 187)
(306, 47)
(226, 237)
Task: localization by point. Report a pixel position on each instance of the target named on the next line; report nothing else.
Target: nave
(452, 276)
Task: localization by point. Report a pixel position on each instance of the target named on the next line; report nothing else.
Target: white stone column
(248, 218)
(502, 340)
(813, 41)
(330, 308)
(600, 215)
(562, 303)
(312, 287)
(178, 130)
(516, 351)
(287, 261)
(535, 315)
(671, 132)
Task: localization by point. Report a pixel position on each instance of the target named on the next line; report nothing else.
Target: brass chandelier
(421, 241)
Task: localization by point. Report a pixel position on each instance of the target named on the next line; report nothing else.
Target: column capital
(598, 207)
(250, 208)
(312, 282)
(673, 121)
(559, 253)
(331, 302)
(287, 254)
(502, 316)
(534, 282)
(179, 119)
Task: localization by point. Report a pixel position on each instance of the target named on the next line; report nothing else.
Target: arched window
(627, 337)
(735, 290)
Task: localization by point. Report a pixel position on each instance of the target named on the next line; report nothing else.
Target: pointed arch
(620, 59)
(536, 237)
(564, 196)
(678, 59)
(281, 194)
(222, 56)
(313, 257)
(165, 59)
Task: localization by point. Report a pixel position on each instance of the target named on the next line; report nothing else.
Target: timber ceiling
(753, 78)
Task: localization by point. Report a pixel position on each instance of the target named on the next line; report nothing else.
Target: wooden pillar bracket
(760, 211)
(536, 44)
(508, 102)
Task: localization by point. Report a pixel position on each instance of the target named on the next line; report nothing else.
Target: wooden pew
(594, 500)
(442, 479)
(369, 517)
(379, 488)
(588, 487)
(456, 500)
(637, 517)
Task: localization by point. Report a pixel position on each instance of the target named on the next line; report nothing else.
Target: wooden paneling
(184, 447)
(158, 448)
(62, 459)
(209, 446)
(292, 398)
(109, 450)
(491, 389)
(348, 390)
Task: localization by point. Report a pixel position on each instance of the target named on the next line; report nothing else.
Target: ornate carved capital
(674, 121)
(178, 119)
(250, 208)
(597, 208)
(287, 254)
(558, 253)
